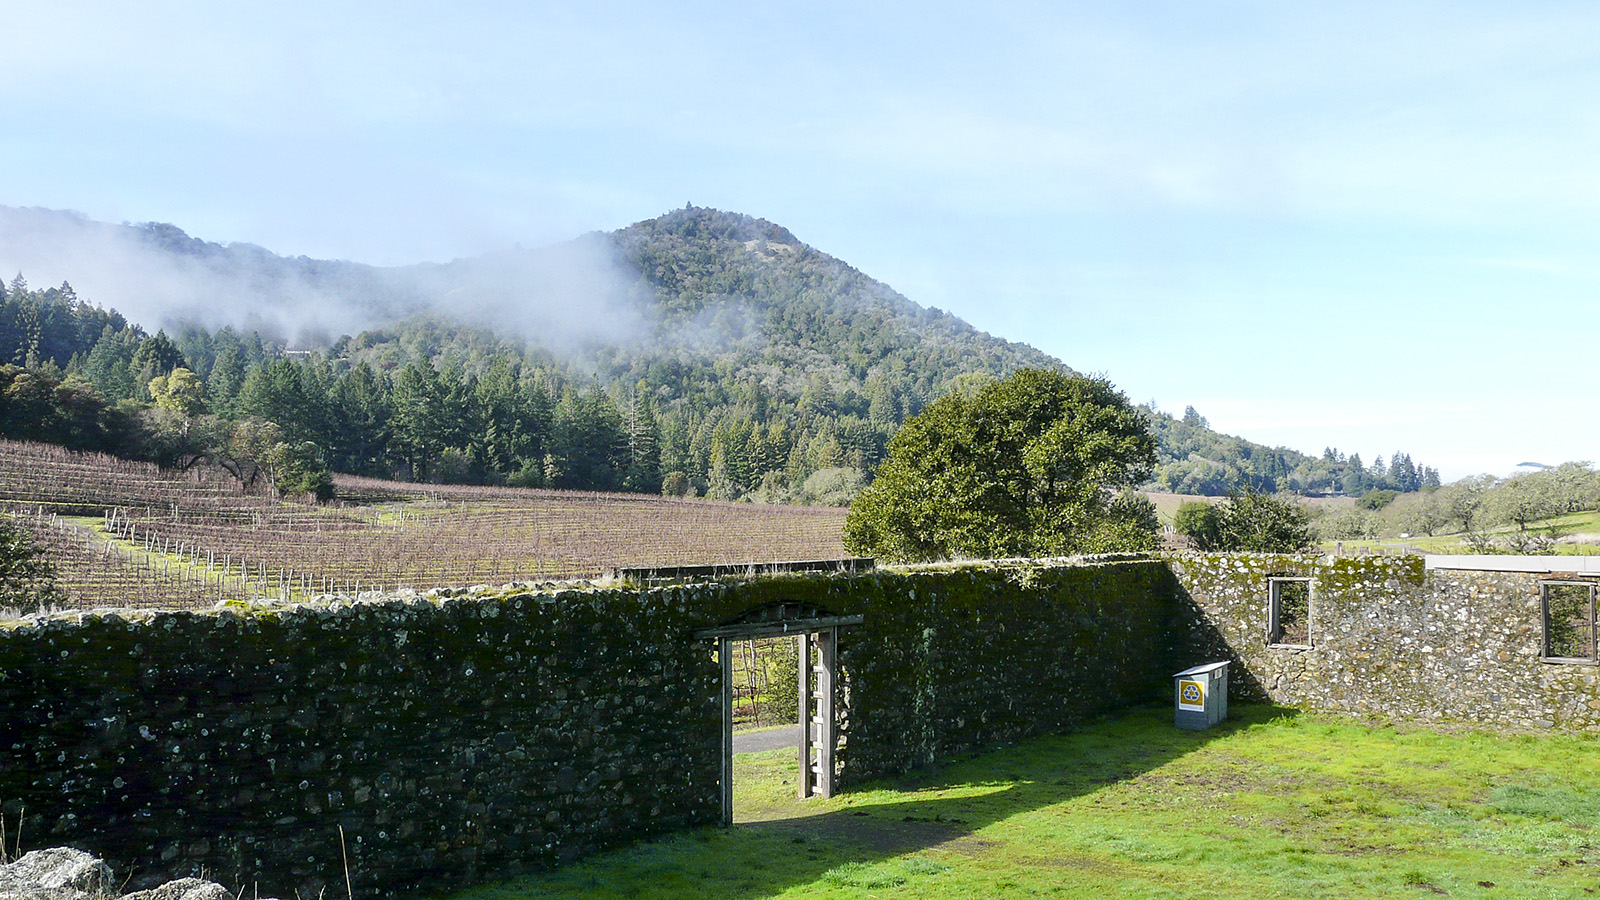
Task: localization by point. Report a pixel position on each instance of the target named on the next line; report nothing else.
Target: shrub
(1247, 520)
(27, 579)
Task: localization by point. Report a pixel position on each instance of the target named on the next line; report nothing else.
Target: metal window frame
(1274, 611)
(1593, 658)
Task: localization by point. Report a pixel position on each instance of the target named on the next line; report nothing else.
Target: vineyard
(132, 535)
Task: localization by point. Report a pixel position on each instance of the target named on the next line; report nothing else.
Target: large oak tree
(1038, 464)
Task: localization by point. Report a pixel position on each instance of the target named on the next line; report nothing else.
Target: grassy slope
(1573, 524)
(1269, 805)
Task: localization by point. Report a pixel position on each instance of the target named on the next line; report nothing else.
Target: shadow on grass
(941, 808)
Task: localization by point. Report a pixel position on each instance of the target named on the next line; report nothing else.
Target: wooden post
(817, 735)
(827, 644)
(803, 668)
(725, 657)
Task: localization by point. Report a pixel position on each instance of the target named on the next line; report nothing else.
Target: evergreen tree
(109, 365)
(419, 425)
(360, 403)
(720, 484)
(293, 395)
(154, 356)
(1355, 480)
(591, 445)
(226, 378)
(464, 422)
(643, 474)
(675, 445)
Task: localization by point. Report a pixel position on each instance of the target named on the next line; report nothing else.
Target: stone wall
(466, 738)
(449, 739)
(458, 739)
(951, 661)
(1390, 638)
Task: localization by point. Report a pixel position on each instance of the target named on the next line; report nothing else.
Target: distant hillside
(1197, 460)
(709, 344)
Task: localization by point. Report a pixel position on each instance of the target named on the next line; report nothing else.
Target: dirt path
(775, 738)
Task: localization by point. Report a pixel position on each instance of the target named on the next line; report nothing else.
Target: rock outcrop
(62, 873)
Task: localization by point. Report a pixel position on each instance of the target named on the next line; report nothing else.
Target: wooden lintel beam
(769, 629)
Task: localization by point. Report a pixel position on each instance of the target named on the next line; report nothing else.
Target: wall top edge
(1515, 563)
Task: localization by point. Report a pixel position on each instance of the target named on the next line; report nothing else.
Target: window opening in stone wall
(1568, 621)
(1289, 613)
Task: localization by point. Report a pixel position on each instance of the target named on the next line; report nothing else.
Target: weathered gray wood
(725, 656)
(816, 642)
(827, 647)
(769, 629)
(803, 669)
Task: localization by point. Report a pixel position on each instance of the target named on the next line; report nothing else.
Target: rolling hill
(701, 342)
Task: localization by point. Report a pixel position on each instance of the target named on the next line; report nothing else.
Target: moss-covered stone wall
(950, 661)
(1389, 638)
(447, 738)
(455, 739)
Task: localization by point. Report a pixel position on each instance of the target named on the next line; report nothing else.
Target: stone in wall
(64, 873)
(449, 738)
(59, 873)
(1390, 639)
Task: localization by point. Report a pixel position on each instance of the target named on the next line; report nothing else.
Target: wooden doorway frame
(818, 642)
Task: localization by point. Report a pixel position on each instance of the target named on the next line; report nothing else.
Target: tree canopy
(1032, 465)
(1246, 520)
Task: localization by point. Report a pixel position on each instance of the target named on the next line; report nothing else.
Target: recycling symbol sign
(1191, 695)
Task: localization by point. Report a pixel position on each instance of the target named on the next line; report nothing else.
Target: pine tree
(644, 446)
(154, 356)
(418, 423)
(226, 378)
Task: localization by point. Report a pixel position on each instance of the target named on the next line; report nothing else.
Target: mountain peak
(704, 223)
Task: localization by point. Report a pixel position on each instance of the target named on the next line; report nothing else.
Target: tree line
(1196, 460)
(1491, 514)
(771, 371)
(425, 400)
(429, 399)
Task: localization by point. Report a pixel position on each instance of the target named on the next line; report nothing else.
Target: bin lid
(1203, 669)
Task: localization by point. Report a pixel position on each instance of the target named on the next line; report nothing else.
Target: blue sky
(1372, 226)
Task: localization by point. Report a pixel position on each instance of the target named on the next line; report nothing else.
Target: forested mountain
(699, 351)
(1197, 460)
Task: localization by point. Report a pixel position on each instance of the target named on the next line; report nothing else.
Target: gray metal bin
(1202, 696)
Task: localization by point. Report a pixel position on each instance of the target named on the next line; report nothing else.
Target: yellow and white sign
(1192, 695)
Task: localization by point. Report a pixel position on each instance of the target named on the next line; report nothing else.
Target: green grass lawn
(1268, 805)
(1587, 522)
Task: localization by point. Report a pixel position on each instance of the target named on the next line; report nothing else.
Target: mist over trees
(773, 372)
(748, 365)
(434, 400)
